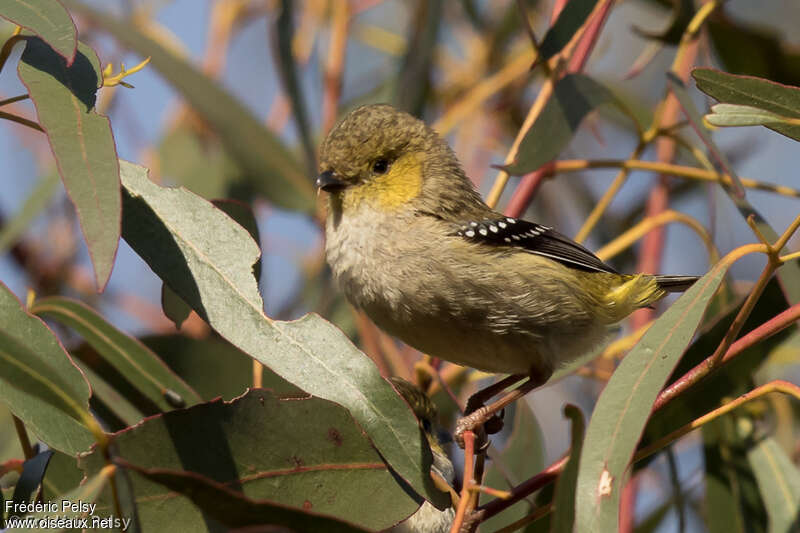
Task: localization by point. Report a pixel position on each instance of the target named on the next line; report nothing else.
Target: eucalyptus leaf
(46, 18)
(574, 97)
(625, 404)
(252, 456)
(260, 154)
(783, 100)
(81, 140)
(38, 380)
(207, 259)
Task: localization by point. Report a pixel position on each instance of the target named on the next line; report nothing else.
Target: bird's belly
(460, 341)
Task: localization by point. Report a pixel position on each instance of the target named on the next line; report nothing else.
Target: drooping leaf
(38, 380)
(564, 501)
(624, 405)
(259, 153)
(207, 259)
(779, 482)
(33, 471)
(783, 100)
(46, 18)
(574, 97)
(252, 456)
(132, 359)
(572, 17)
(85, 494)
(34, 204)
(81, 141)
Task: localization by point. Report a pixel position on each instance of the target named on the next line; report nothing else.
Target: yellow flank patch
(402, 183)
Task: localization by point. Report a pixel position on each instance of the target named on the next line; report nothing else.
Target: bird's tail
(675, 283)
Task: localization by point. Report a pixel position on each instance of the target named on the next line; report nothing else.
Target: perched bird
(412, 243)
(427, 519)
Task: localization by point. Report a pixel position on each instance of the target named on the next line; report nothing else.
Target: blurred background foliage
(239, 93)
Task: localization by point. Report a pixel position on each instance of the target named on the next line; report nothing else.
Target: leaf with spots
(252, 456)
(625, 404)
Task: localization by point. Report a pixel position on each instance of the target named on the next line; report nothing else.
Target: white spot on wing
(470, 233)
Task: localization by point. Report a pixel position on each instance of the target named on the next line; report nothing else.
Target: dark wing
(533, 238)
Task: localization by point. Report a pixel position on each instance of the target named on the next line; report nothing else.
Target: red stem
(775, 325)
(530, 183)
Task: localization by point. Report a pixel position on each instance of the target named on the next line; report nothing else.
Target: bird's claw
(482, 422)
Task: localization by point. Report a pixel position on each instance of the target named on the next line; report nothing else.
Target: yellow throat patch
(401, 183)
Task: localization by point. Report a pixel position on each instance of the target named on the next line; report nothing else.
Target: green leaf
(731, 379)
(574, 97)
(789, 275)
(783, 100)
(624, 405)
(257, 453)
(572, 17)
(207, 260)
(38, 380)
(564, 501)
(779, 481)
(522, 457)
(214, 367)
(46, 18)
(110, 398)
(62, 476)
(132, 359)
(81, 141)
(173, 305)
(261, 155)
(723, 115)
(34, 204)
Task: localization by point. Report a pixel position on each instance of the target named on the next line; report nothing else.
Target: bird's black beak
(328, 182)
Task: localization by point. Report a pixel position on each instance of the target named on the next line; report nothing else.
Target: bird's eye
(380, 166)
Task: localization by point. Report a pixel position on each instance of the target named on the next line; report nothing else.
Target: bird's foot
(481, 421)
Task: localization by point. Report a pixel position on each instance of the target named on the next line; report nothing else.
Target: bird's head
(387, 159)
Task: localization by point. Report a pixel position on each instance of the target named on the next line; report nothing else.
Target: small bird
(413, 245)
(427, 519)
